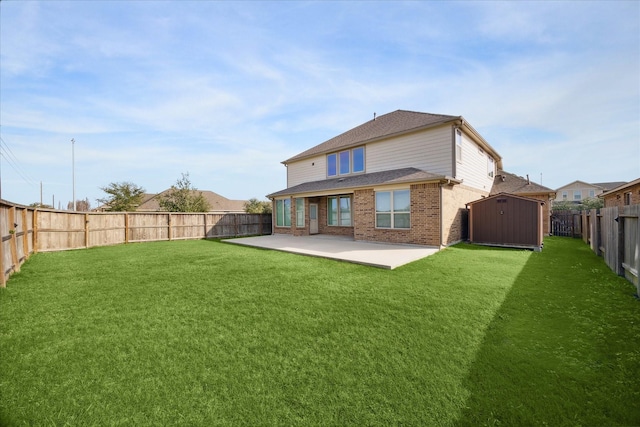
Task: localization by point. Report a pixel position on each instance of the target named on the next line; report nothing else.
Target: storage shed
(507, 220)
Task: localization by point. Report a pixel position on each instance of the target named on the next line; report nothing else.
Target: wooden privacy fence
(26, 230)
(614, 234)
(566, 223)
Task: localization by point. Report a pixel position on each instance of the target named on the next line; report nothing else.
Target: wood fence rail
(26, 230)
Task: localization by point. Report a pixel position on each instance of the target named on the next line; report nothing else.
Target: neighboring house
(403, 177)
(217, 203)
(623, 195)
(506, 182)
(577, 191)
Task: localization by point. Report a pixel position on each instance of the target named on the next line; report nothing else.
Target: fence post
(86, 230)
(126, 227)
(620, 248)
(3, 280)
(35, 231)
(170, 228)
(235, 225)
(25, 236)
(597, 231)
(14, 243)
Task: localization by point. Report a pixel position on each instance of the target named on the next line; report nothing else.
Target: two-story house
(578, 191)
(402, 177)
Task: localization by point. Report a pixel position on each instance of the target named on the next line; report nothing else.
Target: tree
(254, 205)
(122, 196)
(592, 203)
(81, 205)
(182, 197)
(585, 205)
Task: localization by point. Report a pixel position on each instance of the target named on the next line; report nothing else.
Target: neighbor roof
(505, 182)
(399, 121)
(606, 186)
(395, 176)
(216, 202)
(622, 186)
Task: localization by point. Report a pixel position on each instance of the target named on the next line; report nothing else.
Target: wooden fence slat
(15, 261)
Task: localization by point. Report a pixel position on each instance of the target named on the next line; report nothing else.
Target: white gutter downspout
(441, 220)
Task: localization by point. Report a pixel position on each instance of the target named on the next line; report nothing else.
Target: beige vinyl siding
(307, 170)
(472, 170)
(428, 150)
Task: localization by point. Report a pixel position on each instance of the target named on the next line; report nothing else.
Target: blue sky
(226, 91)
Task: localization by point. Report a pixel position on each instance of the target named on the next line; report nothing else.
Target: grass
(205, 333)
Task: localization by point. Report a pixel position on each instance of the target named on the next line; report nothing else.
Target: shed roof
(505, 195)
(396, 176)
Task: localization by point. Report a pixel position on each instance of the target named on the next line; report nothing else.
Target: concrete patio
(380, 255)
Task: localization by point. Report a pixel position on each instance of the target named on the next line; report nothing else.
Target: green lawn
(207, 333)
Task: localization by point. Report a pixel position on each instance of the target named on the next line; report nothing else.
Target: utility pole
(73, 170)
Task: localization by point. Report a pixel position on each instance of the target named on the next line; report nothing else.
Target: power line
(13, 161)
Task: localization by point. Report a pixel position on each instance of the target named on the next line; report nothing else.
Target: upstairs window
(332, 164)
(627, 199)
(358, 159)
(490, 167)
(458, 145)
(345, 162)
(577, 195)
(564, 195)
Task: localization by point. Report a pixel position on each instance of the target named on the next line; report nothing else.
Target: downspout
(441, 221)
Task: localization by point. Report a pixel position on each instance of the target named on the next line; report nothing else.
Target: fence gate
(566, 223)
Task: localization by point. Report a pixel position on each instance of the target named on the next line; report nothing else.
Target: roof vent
(374, 115)
(503, 178)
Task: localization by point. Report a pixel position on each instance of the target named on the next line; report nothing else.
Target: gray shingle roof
(606, 186)
(505, 182)
(216, 202)
(395, 176)
(388, 124)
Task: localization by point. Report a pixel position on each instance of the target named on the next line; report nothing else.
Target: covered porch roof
(352, 182)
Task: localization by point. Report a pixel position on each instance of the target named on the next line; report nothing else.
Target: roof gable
(397, 122)
(506, 195)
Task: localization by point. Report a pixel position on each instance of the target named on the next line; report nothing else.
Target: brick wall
(454, 211)
(546, 210)
(425, 218)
